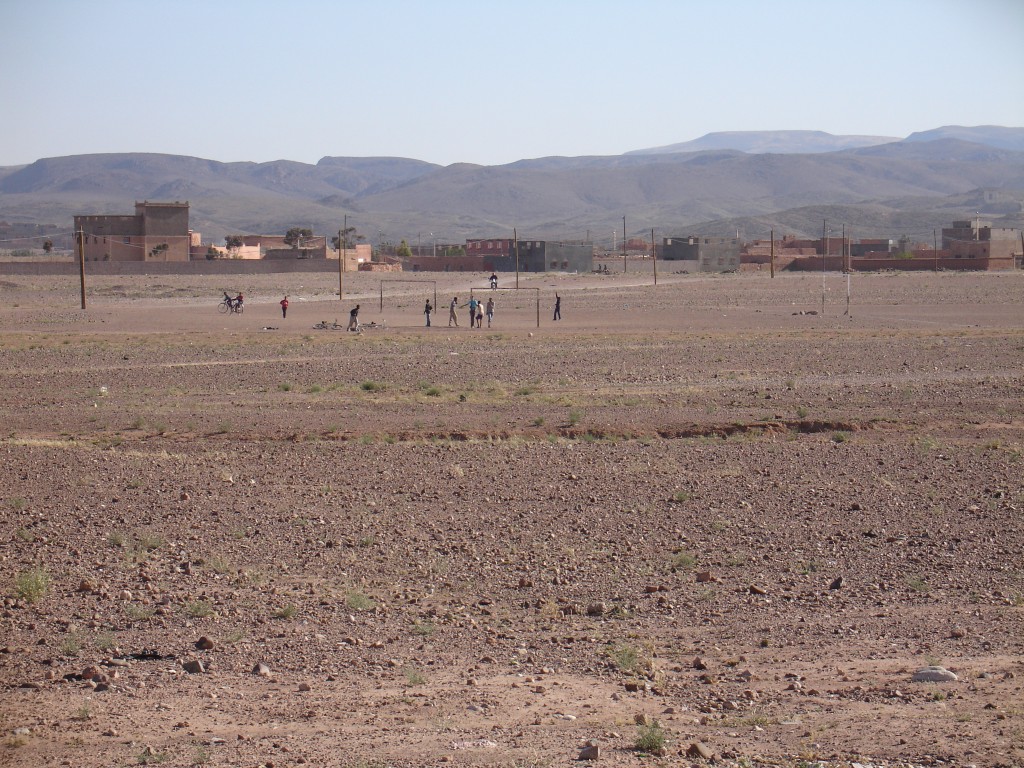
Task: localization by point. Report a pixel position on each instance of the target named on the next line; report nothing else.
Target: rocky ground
(714, 520)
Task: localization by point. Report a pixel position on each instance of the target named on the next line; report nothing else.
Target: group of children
(477, 310)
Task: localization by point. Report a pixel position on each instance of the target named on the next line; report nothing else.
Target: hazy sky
(490, 81)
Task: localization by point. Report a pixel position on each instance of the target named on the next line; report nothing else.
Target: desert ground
(725, 519)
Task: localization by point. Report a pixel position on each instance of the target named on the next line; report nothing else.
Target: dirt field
(712, 518)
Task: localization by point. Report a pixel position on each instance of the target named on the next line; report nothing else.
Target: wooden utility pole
(824, 254)
(935, 251)
(341, 256)
(654, 254)
(623, 245)
(515, 245)
(81, 262)
(772, 257)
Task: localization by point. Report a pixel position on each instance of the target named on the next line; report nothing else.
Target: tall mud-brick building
(157, 232)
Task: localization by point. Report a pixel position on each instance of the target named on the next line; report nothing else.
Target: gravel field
(717, 519)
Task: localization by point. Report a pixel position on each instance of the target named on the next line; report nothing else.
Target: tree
(348, 235)
(234, 242)
(295, 235)
(47, 245)
(403, 251)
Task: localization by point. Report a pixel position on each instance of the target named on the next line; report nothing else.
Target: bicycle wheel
(223, 307)
(240, 308)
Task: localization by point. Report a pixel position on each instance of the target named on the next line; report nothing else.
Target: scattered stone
(756, 590)
(958, 633)
(305, 687)
(699, 750)
(836, 583)
(642, 719)
(204, 644)
(699, 663)
(194, 667)
(590, 752)
(934, 675)
(705, 577)
(262, 670)
(597, 609)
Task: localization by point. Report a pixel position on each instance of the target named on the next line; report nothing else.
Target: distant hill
(911, 186)
(990, 135)
(780, 142)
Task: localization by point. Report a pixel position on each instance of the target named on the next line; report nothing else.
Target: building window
(554, 265)
(128, 241)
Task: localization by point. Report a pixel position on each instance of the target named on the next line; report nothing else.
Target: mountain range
(721, 184)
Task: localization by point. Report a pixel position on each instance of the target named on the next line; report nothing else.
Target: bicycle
(226, 306)
(323, 325)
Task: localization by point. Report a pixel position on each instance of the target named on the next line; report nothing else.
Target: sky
(490, 81)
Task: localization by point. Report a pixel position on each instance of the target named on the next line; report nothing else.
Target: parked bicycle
(323, 325)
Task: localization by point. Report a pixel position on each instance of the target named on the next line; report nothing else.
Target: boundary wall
(215, 267)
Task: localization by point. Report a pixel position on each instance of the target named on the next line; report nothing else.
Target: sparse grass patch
(631, 659)
(372, 386)
(651, 739)
(286, 612)
(424, 629)
(917, 584)
(574, 417)
(285, 386)
(70, 645)
(801, 412)
(18, 503)
(32, 585)
(139, 612)
(539, 421)
(683, 561)
(413, 676)
(357, 601)
(840, 437)
(200, 609)
(24, 534)
(680, 496)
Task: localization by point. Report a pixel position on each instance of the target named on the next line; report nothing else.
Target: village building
(157, 232)
(703, 254)
(499, 255)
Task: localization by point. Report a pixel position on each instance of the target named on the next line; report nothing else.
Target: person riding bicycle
(238, 300)
(228, 300)
(494, 281)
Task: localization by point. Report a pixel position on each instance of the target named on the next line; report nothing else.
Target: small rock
(697, 749)
(590, 752)
(194, 667)
(756, 590)
(305, 687)
(704, 577)
(958, 632)
(836, 583)
(934, 675)
(642, 719)
(204, 644)
(262, 670)
(699, 663)
(596, 609)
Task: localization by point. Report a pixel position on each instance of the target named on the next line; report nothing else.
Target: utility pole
(81, 262)
(342, 243)
(515, 245)
(824, 254)
(772, 257)
(654, 255)
(623, 245)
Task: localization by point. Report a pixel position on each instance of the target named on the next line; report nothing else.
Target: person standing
(284, 307)
(472, 312)
(353, 319)
(479, 314)
(490, 311)
(558, 308)
(452, 316)
(427, 310)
